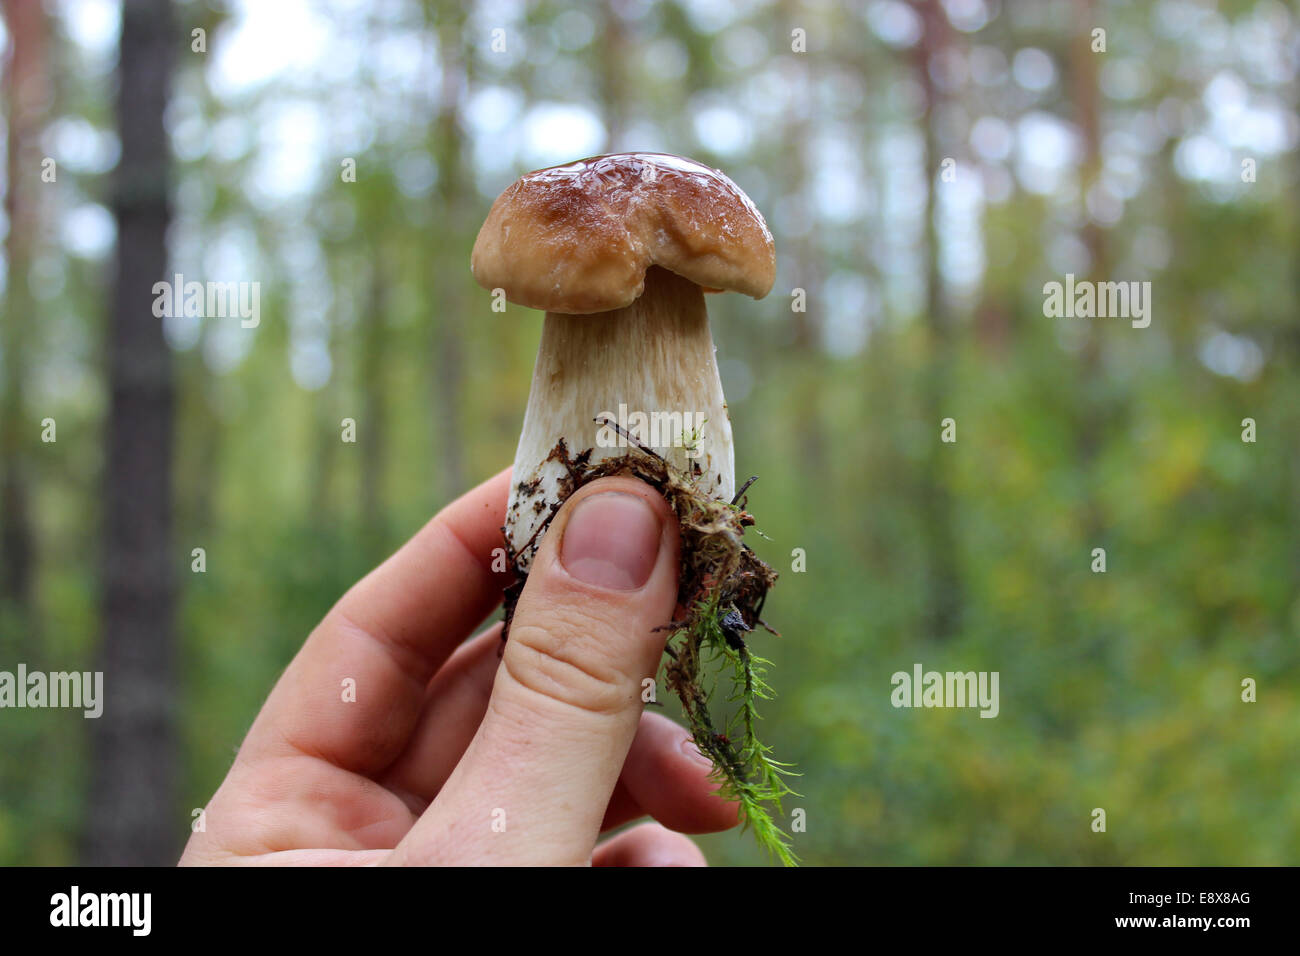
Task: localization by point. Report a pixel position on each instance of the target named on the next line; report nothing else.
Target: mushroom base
(722, 589)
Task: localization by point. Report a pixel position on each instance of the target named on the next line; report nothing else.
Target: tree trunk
(1087, 106)
(132, 815)
(612, 76)
(803, 258)
(453, 186)
(28, 93)
(943, 582)
(374, 418)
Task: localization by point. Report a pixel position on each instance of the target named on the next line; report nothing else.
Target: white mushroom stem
(648, 367)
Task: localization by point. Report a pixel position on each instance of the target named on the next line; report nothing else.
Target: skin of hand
(455, 753)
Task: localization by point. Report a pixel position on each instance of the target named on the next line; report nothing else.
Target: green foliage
(742, 764)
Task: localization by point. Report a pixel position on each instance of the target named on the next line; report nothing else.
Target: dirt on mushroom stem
(722, 588)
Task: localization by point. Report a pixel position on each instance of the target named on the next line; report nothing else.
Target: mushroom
(619, 250)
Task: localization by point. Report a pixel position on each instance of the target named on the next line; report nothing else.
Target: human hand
(452, 755)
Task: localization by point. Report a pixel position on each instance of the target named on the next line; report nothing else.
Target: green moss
(742, 763)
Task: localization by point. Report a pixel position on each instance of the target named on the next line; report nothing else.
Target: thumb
(533, 785)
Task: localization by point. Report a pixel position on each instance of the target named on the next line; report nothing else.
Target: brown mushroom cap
(578, 238)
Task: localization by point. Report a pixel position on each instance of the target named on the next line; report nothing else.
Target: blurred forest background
(924, 297)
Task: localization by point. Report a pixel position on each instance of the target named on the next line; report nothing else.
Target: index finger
(354, 692)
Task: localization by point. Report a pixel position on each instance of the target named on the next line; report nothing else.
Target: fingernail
(612, 541)
(692, 751)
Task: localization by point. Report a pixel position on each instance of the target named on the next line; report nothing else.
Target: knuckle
(566, 663)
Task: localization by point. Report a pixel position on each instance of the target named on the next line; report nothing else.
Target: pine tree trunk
(132, 817)
(943, 590)
(27, 91)
(454, 184)
(374, 417)
(1086, 94)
